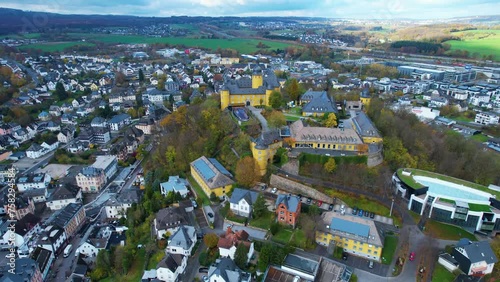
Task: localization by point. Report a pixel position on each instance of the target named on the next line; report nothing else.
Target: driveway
(260, 117)
(200, 218)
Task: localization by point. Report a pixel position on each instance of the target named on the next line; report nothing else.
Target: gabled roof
(182, 238)
(227, 269)
(171, 261)
(212, 172)
(478, 251)
(238, 194)
(291, 202)
(25, 224)
(170, 217)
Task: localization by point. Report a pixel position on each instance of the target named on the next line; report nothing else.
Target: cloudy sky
(365, 9)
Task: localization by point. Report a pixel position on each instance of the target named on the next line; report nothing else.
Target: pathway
(260, 117)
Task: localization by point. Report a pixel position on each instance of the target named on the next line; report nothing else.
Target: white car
(274, 190)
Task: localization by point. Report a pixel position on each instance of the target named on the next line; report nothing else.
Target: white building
(182, 241)
(170, 267)
(486, 118)
(63, 196)
(175, 184)
(425, 113)
(117, 206)
(33, 181)
(108, 164)
(241, 202)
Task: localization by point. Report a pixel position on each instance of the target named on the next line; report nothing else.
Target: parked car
(203, 270)
(309, 200)
(300, 196)
(412, 256)
(354, 210)
(274, 190)
(344, 256)
(372, 215)
(211, 215)
(320, 203)
(360, 212)
(330, 207)
(370, 264)
(366, 213)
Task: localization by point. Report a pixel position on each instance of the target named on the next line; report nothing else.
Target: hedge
(322, 159)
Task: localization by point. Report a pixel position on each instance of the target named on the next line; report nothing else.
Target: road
(258, 115)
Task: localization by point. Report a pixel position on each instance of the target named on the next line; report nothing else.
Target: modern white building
(241, 201)
(487, 118)
(33, 181)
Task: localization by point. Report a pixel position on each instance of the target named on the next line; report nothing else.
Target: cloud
(361, 9)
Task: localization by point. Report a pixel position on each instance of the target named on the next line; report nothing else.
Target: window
(369, 251)
(375, 252)
(345, 244)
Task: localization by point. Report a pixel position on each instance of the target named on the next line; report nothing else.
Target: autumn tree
(275, 100)
(293, 89)
(330, 165)
(276, 119)
(247, 172)
(259, 207)
(211, 240)
(331, 120)
(120, 78)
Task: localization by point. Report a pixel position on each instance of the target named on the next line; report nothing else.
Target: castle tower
(257, 80)
(224, 98)
(260, 154)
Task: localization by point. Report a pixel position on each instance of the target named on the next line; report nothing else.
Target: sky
(354, 9)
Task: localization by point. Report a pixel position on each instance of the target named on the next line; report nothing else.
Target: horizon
(329, 9)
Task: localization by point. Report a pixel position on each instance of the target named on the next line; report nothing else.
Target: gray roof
(267, 138)
(238, 194)
(119, 118)
(227, 269)
(170, 217)
(364, 125)
(319, 102)
(291, 202)
(301, 264)
(478, 251)
(171, 261)
(182, 238)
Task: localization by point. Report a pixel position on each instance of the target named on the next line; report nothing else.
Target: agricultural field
(55, 46)
(483, 42)
(240, 44)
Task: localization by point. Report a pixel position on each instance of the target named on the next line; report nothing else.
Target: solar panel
(203, 168)
(219, 166)
(350, 227)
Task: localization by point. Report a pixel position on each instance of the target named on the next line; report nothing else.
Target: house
(70, 218)
(365, 128)
(24, 230)
(52, 238)
(98, 122)
(307, 269)
(474, 258)
(44, 258)
(66, 134)
(225, 270)
(487, 118)
(76, 147)
(229, 241)
(63, 196)
(170, 267)
(37, 195)
(33, 181)
(25, 269)
(175, 184)
(288, 209)
(44, 116)
(241, 202)
(168, 220)
(51, 126)
(96, 241)
(116, 206)
(119, 121)
(35, 151)
(50, 146)
(317, 103)
(22, 206)
(182, 241)
(146, 125)
(91, 179)
(55, 110)
(108, 164)
(211, 176)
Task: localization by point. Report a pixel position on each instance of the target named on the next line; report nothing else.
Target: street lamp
(392, 205)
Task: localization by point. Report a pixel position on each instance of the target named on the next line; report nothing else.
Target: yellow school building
(212, 176)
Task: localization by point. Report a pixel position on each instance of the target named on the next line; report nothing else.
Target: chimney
(229, 230)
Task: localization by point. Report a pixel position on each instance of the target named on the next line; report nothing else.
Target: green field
(55, 46)
(483, 42)
(390, 244)
(446, 231)
(242, 45)
(441, 274)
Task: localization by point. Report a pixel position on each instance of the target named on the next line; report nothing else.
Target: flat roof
(301, 264)
(275, 274)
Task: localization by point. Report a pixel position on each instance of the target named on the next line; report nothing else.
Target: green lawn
(283, 236)
(199, 192)
(236, 218)
(480, 138)
(390, 244)
(55, 46)
(462, 119)
(264, 221)
(442, 274)
(299, 239)
(291, 117)
(446, 231)
(479, 208)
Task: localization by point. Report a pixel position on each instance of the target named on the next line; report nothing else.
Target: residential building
(117, 206)
(170, 267)
(63, 196)
(305, 268)
(356, 235)
(474, 258)
(168, 220)
(91, 179)
(182, 241)
(317, 103)
(229, 241)
(211, 176)
(241, 201)
(66, 134)
(96, 241)
(33, 181)
(119, 121)
(52, 238)
(175, 184)
(44, 258)
(99, 122)
(70, 218)
(38, 195)
(25, 230)
(487, 118)
(288, 209)
(108, 164)
(26, 270)
(246, 91)
(225, 270)
(22, 206)
(35, 151)
(146, 125)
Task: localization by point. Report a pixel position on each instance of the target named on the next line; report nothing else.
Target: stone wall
(293, 187)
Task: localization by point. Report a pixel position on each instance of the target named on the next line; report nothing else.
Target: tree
(275, 100)
(259, 207)
(120, 78)
(61, 92)
(247, 172)
(161, 83)
(276, 119)
(211, 240)
(213, 197)
(331, 120)
(292, 88)
(241, 255)
(330, 165)
(141, 75)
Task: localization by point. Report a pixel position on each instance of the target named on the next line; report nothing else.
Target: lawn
(480, 138)
(441, 274)
(199, 192)
(482, 41)
(236, 218)
(416, 216)
(291, 117)
(390, 244)
(299, 239)
(264, 221)
(283, 236)
(446, 231)
(479, 208)
(55, 46)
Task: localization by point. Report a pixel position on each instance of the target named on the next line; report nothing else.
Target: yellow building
(246, 91)
(365, 128)
(264, 148)
(339, 139)
(211, 176)
(356, 235)
(365, 97)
